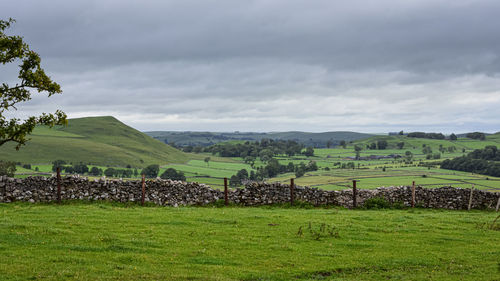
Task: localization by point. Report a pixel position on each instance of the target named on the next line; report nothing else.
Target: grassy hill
(417, 143)
(209, 138)
(95, 140)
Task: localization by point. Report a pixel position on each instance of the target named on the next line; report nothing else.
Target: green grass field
(103, 241)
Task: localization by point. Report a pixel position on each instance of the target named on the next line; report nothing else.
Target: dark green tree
(173, 174)
(329, 143)
(207, 160)
(32, 76)
(80, 168)
(382, 144)
(58, 164)
(109, 172)
(94, 171)
(250, 160)
(309, 151)
(242, 174)
(300, 172)
(453, 137)
(343, 143)
(151, 171)
(234, 181)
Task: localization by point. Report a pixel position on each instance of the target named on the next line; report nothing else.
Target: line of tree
(265, 149)
(476, 136)
(380, 144)
(482, 161)
(153, 170)
(83, 169)
(422, 135)
(272, 169)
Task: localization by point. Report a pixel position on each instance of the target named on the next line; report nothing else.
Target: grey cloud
(422, 36)
(270, 65)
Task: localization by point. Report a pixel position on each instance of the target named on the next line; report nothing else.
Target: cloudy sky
(269, 65)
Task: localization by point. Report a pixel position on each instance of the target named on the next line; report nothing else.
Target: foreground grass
(105, 241)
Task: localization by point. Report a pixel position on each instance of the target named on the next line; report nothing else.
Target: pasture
(104, 241)
(331, 174)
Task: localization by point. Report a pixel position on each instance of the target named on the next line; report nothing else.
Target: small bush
(377, 203)
(399, 205)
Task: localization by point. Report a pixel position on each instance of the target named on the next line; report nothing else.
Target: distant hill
(209, 138)
(95, 140)
(460, 143)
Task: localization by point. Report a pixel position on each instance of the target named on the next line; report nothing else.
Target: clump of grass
(377, 203)
(381, 203)
(316, 233)
(494, 225)
(221, 204)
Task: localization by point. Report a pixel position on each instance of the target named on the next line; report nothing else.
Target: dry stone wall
(177, 193)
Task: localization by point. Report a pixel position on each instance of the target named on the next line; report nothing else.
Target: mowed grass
(103, 241)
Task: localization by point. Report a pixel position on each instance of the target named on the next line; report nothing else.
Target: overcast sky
(269, 65)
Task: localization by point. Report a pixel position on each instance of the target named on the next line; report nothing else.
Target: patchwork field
(102, 241)
(331, 173)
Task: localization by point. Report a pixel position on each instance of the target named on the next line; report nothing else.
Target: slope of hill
(95, 140)
(209, 138)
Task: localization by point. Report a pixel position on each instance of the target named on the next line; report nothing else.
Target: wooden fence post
(292, 195)
(58, 185)
(498, 204)
(226, 201)
(470, 198)
(413, 195)
(143, 189)
(354, 195)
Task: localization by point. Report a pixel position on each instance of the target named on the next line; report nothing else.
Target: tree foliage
(151, 171)
(94, 171)
(482, 161)
(265, 149)
(7, 168)
(476, 136)
(58, 164)
(173, 174)
(31, 76)
(422, 135)
(381, 144)
(309, 151)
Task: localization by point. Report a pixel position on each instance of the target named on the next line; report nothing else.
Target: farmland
(371, 173)
(331, 175)
(102, 241)
(105, 142)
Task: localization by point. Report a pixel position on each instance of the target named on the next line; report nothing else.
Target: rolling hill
(94, 140)
(209, 138)
(417, 143)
